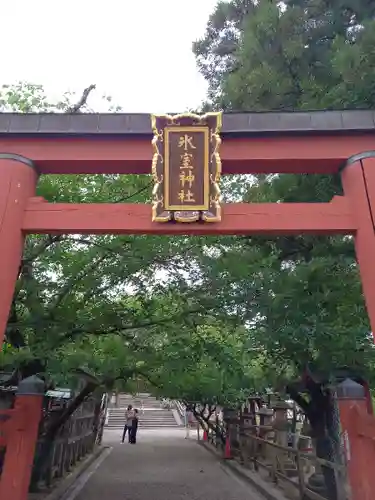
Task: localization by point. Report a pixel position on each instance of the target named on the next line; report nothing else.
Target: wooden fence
(295, 469)
(75, 439)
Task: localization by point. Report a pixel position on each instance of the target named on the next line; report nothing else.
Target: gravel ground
(162, 466)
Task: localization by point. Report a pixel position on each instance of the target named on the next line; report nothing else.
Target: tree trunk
(46, 442)
(320, 413)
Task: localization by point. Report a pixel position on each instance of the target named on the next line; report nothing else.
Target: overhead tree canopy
(118, 307)
(301, 54)
(300, 297)
(210, 319)
(80, 300)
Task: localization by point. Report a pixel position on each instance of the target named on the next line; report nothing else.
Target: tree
(277, 63)
(107, 310)
(80, 298)
(216, 51)
(116, 307)
(303, 54)
(306, 55)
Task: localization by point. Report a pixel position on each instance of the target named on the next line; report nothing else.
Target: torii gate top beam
(302, 142)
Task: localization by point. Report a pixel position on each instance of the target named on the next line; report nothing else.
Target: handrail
(250, 450)
(180, 407)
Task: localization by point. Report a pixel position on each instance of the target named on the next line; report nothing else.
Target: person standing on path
(129, 416)
(134, 428)
(188, 420)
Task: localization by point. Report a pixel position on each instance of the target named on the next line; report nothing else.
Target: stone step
(136, 405)
(145, 408)
(155, 411)
(151, 413)
(138, 398)
(121, 420)
(147, 413)
(150, 401)
(141, 422)
(144, 426)
(121, 416)
(150, 418)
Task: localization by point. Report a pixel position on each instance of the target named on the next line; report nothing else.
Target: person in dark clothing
(129, 416)
(134, 428)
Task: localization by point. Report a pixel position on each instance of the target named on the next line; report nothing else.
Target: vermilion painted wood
(359, 429)
(17, 185)
(277, 154)
(19, 457)
(238, 218)
(359, 186)
(21, 213)
(5, 425)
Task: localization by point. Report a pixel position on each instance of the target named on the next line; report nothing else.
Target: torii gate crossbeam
(340, 143)
(315, 142)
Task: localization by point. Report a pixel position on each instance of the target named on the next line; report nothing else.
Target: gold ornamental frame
(160, 176)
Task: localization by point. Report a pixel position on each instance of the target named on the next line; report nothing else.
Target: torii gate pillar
(18, 182)
(358, 180)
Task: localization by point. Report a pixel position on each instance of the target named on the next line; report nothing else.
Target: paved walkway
(161, 466)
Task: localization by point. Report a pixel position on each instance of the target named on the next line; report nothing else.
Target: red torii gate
(308, 142)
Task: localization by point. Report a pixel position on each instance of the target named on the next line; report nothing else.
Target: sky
(139, 52)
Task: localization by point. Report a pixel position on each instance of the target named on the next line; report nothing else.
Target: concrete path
(163, 465)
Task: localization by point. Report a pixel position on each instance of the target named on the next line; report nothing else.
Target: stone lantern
(266, 430)
(230, 417)
(282, 426)
(281, 423)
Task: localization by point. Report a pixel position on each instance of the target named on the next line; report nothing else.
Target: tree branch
(120, 329)
(69, 286)
(39, 249)
(147, 377)
(76, 108)
(128, 197)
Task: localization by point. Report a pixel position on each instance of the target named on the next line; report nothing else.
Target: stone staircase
(151, 414)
